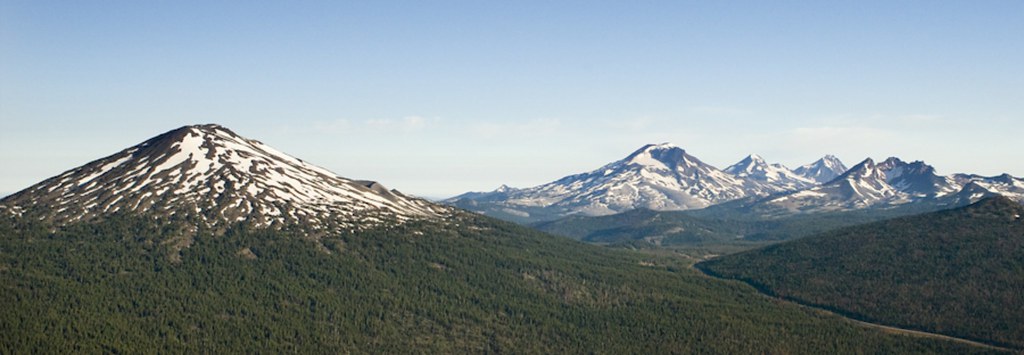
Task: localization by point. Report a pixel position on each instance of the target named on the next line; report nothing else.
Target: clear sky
(440, 97)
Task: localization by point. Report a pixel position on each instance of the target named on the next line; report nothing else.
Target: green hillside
(468, 284)
(958, 272)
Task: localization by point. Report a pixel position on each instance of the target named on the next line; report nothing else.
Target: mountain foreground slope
(958, 272)
(402, 279)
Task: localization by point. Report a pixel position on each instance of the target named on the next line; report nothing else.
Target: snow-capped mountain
(656, 176)
(665, 177)
(776, 177)
(1006, 185)
(211, 174)
(917, 179)
(863, 185)
(895, 182)
(823, 170)
(499, 193)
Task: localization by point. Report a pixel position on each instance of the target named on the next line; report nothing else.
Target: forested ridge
(466, 284)
(958, 272)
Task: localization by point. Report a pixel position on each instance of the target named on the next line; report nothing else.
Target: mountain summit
(823, 170)
(664, 156)
(917, 178)
(861, 186)
(896, 182)
(209, 173)
(656, 176)
(776, 176)
(665, 177)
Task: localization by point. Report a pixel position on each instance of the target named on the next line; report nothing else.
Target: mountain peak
(822, 170)
(893, 160)
(861, 186)
(916, 178)
(207, 126)
(660, 146)
(865, 169)
(197, 129)
(504, 188)
(865, 173)
(662, 156)
(749, 164)
(1004, 178)
(209, 172)
(774, 176)
(656, 176)
(895, 167)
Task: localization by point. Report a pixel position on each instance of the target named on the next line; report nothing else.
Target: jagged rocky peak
(748, 165)
(865, 169)
(1005, 178)
(831, 160)
(917, 178)
(865, 181)
(755, 158)
(896, 167)
(775, 177)
(888, 183)
(755, 166)
(861, 186)
(893, 167)
(823, 170)
(210, 173)
(891, 162)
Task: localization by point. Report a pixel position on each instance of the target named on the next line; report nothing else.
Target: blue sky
(438, 98)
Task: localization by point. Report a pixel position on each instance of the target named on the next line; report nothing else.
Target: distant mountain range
(209, 174)
(656, 176)
(664, 177)
(891, 183)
